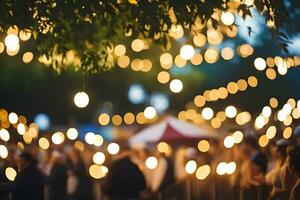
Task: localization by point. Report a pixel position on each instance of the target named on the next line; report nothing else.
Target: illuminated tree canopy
(88, 30)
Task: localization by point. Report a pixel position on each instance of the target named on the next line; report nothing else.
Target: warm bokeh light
(187, 52)
(4, 135)
(44, 143)
(10, 173)
(273, 102)
(237, 137)
(81, 99)
(11, 42)
(166, 60)
(21, 128)
(230, 168)
(137, 45)
(263, 141)
(150, 112)
(287, 132)
(203, 146)
(104, 119)
(3, 151)
(260, 64)
(221, 168)
(99, 158)
(58, 138)
(271, 132)
(163, 77)
(27, 57)
(227, 18)
(228, 142)
(191, 167)
(97, 171)
(117, 120)
(129, 118)
(202, 172)
(151, 162)
(13, 118)
(72, 133)
(90, 138)
(207, 113)
(230, 111)
(176, 86)
(113, 148)
(164, 148)
(120, 50)
(123, 61)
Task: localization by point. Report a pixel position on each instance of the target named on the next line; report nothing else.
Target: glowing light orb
(81, 99)
(10, 173)
(176, 86)
(99, 158)
(72, 133)
(230, 111)
(150, 112)
(58, 138)
(228, 142)
(207, 113)
(12, 42)
(227, 18)
(151, 162)
(191, 167)
(113, 148)
(187, 52)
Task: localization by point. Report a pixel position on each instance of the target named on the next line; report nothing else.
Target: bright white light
(99, 158)
(176, 86)
(191, 167)
(81, 99)
(13, 118)
(43, 121)
(230, 111)
(227, 18)
(281, 115)
(58, 138)
(238, 137)
(260, 64)
(207, 113)
(287, 108)
(228, 142)
(4, 135)
(187, 52)
(267, 111)
(259, 122)
(12, 42)
(271, 132)
(72, 133)
(113, 148)
(221, 168)
(136, 94)
(230, 168)
(21, 129)
(151, 162)
(89, 138)
(160, 102)
(150, 112)
(98, 140)
(3, 151)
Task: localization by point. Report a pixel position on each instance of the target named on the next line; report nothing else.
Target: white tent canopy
(171, 129)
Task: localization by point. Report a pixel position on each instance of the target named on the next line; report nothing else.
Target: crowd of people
(61, 173)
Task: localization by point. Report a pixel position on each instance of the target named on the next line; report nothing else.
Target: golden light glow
(271, 74)
(98, 140)
(3, 151)
(163, 147)
(230, 168)
(104, 119)
(163, 77)
(203, 146)
(151, 162)
(199, 40)
(245, 50)
(211, 55)
(98, 172)
(11, 42)
(243, 118)
(216, 123)
(237, 137)
(72, 133)
(199, 101)
(137, 45)
(27, 57)
(176, 31)
(117, 120)
(252, 81)
(221, 168)
(113, 148)
(120, 50)
(179, 62)
(287, 133)
(2, 47)
(271, 132)
(99, 158)
(197, 59)
(166, 60)
(203, 172)
(58, 138)
(10, 173)
(191, 167)
(129, 118)
(44, 143)
(227, 53)
(21, 128)
(263, 141)
(123, 61)
(79, 145)
(25, 35)
(273, 102)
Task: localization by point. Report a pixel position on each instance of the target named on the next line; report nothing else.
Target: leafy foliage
(89, 28)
